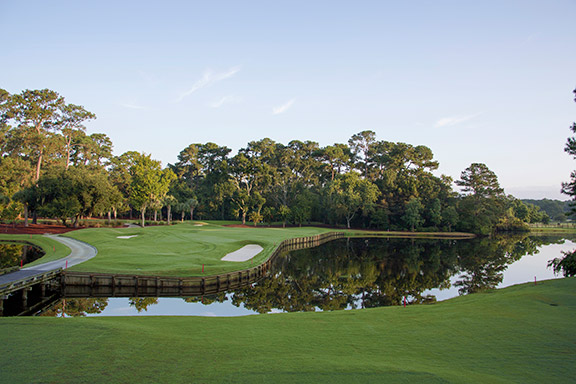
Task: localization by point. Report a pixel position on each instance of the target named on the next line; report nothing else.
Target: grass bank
(552, 230)
(521, 334)
(53, 249)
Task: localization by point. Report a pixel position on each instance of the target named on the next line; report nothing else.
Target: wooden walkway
(15, 281)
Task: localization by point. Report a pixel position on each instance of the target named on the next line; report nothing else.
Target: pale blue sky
(482, 81)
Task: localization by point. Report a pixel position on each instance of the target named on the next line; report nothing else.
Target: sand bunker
(126, 237)
(243, 254)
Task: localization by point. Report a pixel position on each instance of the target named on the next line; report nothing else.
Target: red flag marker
(534, 280)
(66, 265)
(404, 301)
(21, 263)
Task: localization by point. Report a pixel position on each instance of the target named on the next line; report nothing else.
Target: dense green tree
(413, 217)
(450, 217)
(149, 183)
(349, 194)
(528, 213)
(360, 144)
(555, 209)
(434, 213)
(247, 172)
(335, 158)
(72, 127)
(72, 193)
(15, 174)
(483, 205)
(479, 181)
(36, 114)
(205, 170)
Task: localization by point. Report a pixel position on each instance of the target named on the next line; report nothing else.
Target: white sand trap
(126, 237)
(243, 254)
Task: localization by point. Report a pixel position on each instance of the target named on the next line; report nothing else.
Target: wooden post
(24, 297)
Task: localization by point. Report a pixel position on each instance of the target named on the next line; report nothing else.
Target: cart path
(80, 252)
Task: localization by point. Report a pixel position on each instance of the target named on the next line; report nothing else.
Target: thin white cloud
(208, 78)
(225, 100)
(283, 108)
(132, 106)
(453, 120)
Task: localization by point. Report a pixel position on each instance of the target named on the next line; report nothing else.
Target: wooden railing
(29, 281)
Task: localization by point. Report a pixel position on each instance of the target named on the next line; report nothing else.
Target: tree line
(51, 167)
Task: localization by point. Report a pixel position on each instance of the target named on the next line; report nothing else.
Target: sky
(477, 82)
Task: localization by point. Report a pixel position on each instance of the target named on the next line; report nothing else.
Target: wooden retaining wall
(84, 284)
(29, 281)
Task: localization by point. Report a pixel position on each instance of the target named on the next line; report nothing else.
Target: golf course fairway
(180, 250)
(520, 334)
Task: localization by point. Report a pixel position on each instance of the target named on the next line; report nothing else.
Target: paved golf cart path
(80, 252)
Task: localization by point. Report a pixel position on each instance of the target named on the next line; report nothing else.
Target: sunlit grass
(181, 249)
(521, 334)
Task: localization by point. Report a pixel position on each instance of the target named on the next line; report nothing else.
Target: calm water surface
(14, 254)
(358, 273)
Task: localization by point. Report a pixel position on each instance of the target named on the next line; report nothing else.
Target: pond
(353, 273)
(15, 254)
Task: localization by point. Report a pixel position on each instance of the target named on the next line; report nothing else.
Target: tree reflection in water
(364, 273)
(77, 307)
(361, 273)
(11, 254)
(142, 303)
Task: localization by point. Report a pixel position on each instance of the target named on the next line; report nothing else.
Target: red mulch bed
(33, 229)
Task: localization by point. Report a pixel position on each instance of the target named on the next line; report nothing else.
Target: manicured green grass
(521, 334)
(53, 249)
(181, 249)
(552, 230)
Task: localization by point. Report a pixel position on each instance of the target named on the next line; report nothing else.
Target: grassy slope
(518, 334)
(179, 250)
(53, 249)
